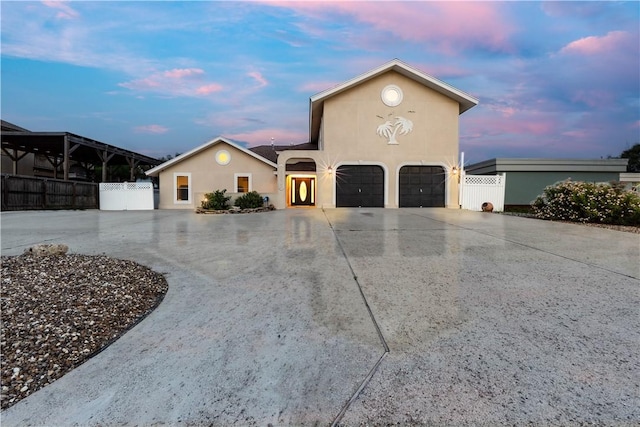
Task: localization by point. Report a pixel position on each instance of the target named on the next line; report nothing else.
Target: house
(386, 138)
(527, 178)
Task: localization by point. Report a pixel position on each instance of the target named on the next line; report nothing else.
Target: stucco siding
(207, 176)
(351, 120)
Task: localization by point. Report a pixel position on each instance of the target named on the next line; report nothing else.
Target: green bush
(216, 200)
(587, 202)
(249, 200)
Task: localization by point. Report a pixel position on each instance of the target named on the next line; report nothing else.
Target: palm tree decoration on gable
(389, 130)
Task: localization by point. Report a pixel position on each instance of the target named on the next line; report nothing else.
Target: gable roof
(270, 152)
(316, 102)
(155, 171)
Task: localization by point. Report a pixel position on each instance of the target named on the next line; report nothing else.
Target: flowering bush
(587, 202)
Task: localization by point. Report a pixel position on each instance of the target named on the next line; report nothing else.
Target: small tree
(216, 200)
(633, 154)
(250, 200)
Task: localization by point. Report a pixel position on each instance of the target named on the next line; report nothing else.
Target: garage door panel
(421, 186)
(359, 186)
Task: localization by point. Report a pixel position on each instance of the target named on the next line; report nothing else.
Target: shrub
(216, 200)
(587, 202)
(249, 200)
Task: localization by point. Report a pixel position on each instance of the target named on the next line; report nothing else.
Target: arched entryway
(301, 182)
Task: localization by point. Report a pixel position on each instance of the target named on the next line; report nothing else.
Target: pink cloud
(594, 45)
(154, 129)
(179, 73)
(594, 98)
(517, 124)
(176, 82)
(262, 82)
(208, 89)
(446, 26)
(64, 10)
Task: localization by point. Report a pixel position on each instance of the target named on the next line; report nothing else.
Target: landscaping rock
(47, 250)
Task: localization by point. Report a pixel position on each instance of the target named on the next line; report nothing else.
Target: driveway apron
(285, 318)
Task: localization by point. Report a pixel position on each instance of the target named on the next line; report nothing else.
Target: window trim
(175, 188)
(242, 175)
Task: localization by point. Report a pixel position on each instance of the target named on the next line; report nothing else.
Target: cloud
(175, 82)
(448, 27)
(64, 10)
(262, 82)
(153, 129)
(595, 45)
(209, 89)
(180, 73)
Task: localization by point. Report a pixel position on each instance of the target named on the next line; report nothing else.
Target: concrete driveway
(285, 318)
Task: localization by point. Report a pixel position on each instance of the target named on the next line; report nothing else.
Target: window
(182, 187)
(242, 182)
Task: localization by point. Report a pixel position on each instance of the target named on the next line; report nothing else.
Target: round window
(223, 157)
(391, 95)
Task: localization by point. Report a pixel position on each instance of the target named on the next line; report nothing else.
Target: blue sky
(554, 79)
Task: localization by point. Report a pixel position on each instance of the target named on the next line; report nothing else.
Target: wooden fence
(32, 193)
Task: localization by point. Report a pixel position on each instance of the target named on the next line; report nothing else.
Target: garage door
(360, 186)
(421, 186)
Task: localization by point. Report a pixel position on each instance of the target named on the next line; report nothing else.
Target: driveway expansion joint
(373, 370)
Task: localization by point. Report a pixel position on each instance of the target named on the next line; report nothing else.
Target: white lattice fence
(126, 196)
(478, 189)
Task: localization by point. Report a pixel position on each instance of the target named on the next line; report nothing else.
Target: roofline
(87, 142)
(465, 101)
(211, 143)
(502, 164)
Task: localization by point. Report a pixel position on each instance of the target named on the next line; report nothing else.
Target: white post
(461, 178)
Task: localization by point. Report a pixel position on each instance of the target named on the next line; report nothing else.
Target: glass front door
(303, 191)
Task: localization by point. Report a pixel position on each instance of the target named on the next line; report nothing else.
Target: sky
(554, 79)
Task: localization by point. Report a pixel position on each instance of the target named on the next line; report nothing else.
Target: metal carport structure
(60, 148)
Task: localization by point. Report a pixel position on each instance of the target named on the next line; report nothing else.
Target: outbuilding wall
(523, 187)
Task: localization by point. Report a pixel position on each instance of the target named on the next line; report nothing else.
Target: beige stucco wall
(207, 176)
(351, 119)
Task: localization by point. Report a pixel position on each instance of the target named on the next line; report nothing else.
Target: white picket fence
(478, 189)
(126, 196)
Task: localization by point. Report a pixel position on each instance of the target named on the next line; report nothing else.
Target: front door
(303, 191)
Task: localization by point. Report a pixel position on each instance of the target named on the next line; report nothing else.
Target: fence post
(5, 193)
(44, 194)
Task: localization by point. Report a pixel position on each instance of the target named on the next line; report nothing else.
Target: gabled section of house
(216, 165)
(387, 138)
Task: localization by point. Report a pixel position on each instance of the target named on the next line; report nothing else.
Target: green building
(527, 178)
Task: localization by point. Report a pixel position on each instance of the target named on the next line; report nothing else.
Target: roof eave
(155, 171)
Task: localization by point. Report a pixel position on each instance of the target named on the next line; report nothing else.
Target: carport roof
(81, 149)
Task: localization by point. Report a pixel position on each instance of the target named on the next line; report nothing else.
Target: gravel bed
(60, 310)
